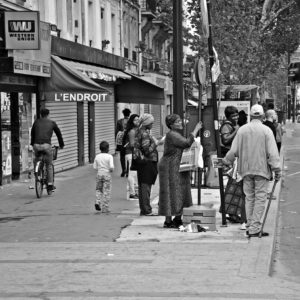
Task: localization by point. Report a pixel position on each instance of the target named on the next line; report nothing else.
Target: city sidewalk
(150, 229)
(147, 261)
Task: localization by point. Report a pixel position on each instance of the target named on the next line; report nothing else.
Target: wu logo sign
(21, 26)
(22, 30)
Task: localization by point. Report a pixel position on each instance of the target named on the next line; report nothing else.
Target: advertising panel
(35, 62)
(240, 105)
(22, 30)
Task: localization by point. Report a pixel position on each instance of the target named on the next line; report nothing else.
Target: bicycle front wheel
(39, 179)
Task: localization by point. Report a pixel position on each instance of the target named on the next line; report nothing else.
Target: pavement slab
(135, 271)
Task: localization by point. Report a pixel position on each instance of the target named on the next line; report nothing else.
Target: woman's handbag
(138, 159)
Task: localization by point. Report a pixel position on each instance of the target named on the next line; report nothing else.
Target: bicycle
(41, 174)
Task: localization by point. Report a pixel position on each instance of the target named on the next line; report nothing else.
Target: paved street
(58, 247)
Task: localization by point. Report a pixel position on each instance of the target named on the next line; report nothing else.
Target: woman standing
(174, 187)
(147, 172)
(128, 144)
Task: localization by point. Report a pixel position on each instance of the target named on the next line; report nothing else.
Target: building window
(113, 31)
(125, 52)
(134, 56)
(102, 23)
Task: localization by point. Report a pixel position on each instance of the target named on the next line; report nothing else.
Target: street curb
(276, 214)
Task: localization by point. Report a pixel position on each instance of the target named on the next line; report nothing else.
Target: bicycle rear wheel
(49, 192)
(39, 179)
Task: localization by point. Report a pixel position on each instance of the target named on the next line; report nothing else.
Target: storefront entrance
(17, 115)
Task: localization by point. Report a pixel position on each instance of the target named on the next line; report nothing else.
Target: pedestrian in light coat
(256, 149)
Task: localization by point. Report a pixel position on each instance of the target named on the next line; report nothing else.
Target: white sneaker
(243, 226)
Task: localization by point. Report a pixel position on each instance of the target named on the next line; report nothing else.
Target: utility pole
(288, 94)
(177, 58)
(215, 113)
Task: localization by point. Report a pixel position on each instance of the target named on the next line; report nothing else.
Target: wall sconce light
(105, 43)
(53, 27)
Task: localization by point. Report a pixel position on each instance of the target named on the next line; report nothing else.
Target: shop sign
(79, 97)
(22, 30)
(34, 62)
(97, 75)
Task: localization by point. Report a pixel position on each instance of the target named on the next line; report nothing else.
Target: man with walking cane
(255, 146)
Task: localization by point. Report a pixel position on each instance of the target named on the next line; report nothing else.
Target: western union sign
(22, 30)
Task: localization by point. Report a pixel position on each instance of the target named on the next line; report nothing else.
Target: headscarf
(171, 119)
(146, 119)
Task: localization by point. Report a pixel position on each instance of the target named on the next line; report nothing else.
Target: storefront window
(6, 134)
(26, 112)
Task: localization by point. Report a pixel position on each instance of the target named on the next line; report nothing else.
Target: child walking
(104, 164)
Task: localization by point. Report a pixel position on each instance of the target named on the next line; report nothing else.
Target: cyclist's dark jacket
(42, 131)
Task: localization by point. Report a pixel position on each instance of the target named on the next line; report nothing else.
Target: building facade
(89, 66)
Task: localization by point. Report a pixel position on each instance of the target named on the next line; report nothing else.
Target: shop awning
(65, 78)
(138, 90)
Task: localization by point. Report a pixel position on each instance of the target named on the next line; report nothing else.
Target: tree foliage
(249, 36)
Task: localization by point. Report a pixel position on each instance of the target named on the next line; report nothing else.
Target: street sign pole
(215, 111)
(200, 76)
(178, 59)
(199, 119)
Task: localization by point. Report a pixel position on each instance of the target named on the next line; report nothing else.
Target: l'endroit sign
(79, 97)
(22, 30)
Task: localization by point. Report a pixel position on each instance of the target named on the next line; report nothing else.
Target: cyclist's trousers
(47, 149)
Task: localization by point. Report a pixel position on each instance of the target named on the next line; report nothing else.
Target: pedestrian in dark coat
(147, 172)
(174, 186)
(121, 127)
(270, 117)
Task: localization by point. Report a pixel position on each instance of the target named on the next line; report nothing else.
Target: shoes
(169, 225)
(51, 188)
(256, 234)
(177, 222)
(133, 197)
(97, 207)
(234, 219)
(243, 226)
(273, 197)
(122, 174)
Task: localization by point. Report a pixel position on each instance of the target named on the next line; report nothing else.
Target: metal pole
(289, 96)
(1, 172)
(215, 110)
(199, 119)
(177, 58)
(294, 101)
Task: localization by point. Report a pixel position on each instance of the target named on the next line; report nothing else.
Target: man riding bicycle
(41, 134)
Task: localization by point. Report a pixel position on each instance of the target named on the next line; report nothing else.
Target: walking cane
(268, 206)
